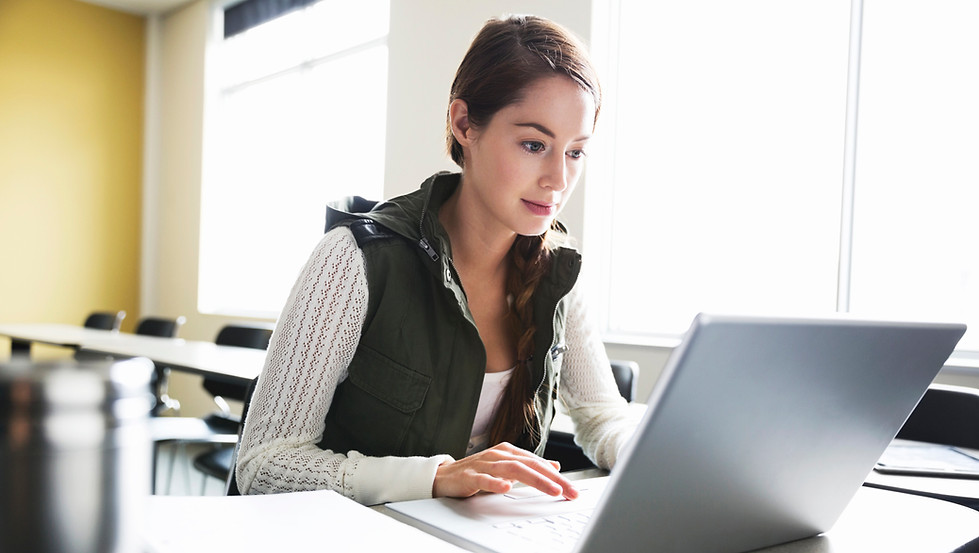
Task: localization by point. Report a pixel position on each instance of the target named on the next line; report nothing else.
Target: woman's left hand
(496, 469)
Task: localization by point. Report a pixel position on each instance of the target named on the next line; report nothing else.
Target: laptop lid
(759, 431)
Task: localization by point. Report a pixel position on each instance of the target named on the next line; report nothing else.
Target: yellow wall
(71, 136)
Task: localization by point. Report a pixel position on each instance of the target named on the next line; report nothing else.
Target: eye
(533, 146)
(576, 154)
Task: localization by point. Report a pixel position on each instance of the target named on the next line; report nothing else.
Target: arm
(602, 419)
(315, 338)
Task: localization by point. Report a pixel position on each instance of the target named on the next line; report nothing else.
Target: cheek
(574, 175)
(508, 168)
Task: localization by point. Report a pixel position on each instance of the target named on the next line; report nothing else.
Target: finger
(489, 483)
(505, 450)
(552, 469)
(538, 474)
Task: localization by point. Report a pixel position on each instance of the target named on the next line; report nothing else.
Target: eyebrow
(547, 131)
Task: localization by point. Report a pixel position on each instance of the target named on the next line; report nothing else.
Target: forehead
(555, 102)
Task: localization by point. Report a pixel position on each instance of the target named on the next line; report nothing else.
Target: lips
(540, 208)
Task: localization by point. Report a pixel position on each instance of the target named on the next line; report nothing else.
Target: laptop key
(551, 530)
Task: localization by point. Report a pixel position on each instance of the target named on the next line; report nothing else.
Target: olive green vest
(415, 379)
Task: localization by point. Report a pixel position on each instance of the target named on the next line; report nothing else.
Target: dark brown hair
(506, 57)
(503, 61)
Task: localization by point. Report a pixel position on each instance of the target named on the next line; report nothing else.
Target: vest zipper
(554, 351)
(423, 242)
(427, 248)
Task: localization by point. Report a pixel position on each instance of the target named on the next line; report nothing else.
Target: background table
(228, 363)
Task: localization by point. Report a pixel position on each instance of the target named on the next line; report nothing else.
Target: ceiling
(140, 7)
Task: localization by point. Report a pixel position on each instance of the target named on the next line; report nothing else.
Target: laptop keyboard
(551, 532)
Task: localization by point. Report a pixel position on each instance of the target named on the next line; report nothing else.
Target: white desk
(880, 520)
(69, 336)
(229, 363)
(293, 522)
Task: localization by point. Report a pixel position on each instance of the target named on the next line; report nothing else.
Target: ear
(459, 122)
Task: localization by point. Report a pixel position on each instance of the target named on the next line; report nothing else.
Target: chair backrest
(626, 374)
(244, 336)
(159, 326)
(241, 336)
(105, 320)
(945, 415)
(231, 486)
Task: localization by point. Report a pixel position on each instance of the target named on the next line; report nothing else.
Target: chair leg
(174, 448)
(186, 461)
(156, 462)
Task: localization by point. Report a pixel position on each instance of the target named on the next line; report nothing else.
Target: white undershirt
(489, 399)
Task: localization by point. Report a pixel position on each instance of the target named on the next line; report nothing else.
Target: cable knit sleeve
(603, 421)
(314, 340)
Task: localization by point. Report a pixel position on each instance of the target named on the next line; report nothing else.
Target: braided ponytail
(529, 262)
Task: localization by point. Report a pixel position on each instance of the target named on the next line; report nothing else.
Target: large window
(295, 118)
(789, 158)
(916, 227)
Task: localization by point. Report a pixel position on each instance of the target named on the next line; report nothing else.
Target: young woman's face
(522, 166)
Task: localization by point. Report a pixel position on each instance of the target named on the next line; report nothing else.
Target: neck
(472, 246)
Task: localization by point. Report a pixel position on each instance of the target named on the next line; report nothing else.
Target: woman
(427, 342)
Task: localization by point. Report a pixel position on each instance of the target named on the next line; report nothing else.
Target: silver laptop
(759, 431)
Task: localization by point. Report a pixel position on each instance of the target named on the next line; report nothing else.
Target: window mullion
(849, 157)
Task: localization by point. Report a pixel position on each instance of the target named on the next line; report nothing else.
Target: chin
(534, 232)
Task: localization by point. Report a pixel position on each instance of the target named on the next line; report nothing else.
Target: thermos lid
(121, 387)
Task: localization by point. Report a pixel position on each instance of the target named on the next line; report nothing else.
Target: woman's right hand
(496, 469)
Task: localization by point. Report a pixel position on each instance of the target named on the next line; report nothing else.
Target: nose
(555, 174)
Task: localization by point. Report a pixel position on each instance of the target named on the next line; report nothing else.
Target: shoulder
(366, 231)
(337, 251)
(338, 236)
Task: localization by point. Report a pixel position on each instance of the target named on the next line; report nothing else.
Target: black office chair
(221, 427)
(945, 415)
(105, 320)
(160, 326)
(560, 445)
(220, 462)
(217, 461)
(147, 326)
(100, 320)
(221, 391)
(164, 328)
(626, 374)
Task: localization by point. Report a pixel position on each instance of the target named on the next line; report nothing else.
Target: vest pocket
(389, 381)
(373, 410)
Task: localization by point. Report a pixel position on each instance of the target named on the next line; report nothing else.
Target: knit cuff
(386, 479)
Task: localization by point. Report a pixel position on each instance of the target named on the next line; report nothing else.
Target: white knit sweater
(313, 343)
